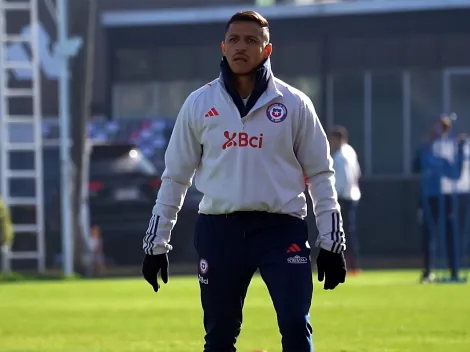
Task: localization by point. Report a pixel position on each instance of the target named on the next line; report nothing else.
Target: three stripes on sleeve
(337, 234)
(151, 234)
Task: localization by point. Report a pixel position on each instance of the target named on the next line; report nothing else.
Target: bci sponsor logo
(203, 280)
(242, 139)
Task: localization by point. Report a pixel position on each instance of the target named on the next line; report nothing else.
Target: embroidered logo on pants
(297, 260)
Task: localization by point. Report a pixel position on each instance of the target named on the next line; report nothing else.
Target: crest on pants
(203, 266)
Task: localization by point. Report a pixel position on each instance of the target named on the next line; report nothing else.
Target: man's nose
(241, 47)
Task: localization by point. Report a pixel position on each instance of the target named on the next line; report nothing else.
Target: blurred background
(384, 69)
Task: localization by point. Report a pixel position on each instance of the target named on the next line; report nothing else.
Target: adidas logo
(212, 112)
(293, 248)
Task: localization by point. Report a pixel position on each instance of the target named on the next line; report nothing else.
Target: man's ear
(268, 50)
(222, 47)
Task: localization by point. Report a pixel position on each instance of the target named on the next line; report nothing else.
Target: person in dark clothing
(432, 169)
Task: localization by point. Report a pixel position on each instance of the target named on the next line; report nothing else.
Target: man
(249, 139)
(347, 174)
(434, 162)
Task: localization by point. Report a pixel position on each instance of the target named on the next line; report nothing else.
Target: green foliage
(6, 228)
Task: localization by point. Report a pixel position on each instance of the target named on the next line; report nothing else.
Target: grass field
(373, 312)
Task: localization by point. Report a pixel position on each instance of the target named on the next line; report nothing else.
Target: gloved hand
(151, 265)
(331, 267)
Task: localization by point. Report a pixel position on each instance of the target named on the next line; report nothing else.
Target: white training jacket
(347, 173)
(258, 163)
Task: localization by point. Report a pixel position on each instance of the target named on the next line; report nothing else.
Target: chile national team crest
(276, 112)
(203, 266)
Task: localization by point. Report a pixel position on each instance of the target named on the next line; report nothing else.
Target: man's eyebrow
(245, 35)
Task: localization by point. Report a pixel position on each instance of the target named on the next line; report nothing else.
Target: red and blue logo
(276, 112)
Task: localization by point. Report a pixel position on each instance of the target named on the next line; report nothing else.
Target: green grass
(374, 312)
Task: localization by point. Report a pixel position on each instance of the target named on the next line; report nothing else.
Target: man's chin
(242, 72)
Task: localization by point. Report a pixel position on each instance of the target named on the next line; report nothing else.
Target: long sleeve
(341, 174)
(313, 152)
(181, 160)
(444, 167)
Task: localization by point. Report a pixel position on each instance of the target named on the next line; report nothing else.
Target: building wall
(378, 42)
(161, 4)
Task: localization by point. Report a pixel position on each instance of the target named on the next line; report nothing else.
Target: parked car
(123, 185)
(121, 174)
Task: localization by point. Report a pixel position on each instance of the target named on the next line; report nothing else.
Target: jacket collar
(264, 84)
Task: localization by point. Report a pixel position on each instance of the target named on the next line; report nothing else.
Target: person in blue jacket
(433, 168)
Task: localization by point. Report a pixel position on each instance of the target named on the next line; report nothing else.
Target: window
(308, 58)
(132, 64)
(348, 109)
(176, 63)
(387, 123)
(460, 101)
(157, 100)
(172, 94)
(426, 103)
(134, 100)
(310, 85)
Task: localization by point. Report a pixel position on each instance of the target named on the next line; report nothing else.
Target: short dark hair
(250, 16)
(339, 132)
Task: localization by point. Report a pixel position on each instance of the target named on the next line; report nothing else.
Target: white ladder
(9, 119)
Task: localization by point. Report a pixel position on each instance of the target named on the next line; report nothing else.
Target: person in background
(347, 174)
(433, 167)
(6, 228)
(98, 259)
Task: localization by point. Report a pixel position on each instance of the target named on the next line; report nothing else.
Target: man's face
(436, 131)
(245, 47)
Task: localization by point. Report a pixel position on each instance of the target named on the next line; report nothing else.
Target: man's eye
(251, 41)
(232, 40)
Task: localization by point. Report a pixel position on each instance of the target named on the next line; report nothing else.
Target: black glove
(331, 267)
(151, 265)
